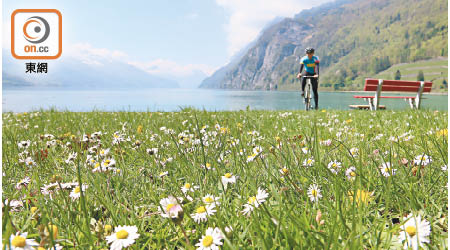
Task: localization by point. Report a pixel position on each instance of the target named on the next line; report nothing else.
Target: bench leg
(370, 101)
(412, 103)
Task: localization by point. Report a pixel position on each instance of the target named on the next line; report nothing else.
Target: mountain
(72, 73)
(354, 40)
(211, 81)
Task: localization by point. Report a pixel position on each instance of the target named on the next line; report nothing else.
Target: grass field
(435, 70)
(236, 180)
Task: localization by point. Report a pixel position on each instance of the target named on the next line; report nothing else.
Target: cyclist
(311, 64)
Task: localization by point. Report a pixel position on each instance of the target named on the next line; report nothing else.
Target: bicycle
(307, 94)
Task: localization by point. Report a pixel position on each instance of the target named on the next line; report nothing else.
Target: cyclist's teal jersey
(310, 64)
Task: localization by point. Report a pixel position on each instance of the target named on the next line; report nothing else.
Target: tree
(398, 75)
(420, 76)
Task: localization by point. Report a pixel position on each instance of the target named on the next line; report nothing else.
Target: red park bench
(379, 85)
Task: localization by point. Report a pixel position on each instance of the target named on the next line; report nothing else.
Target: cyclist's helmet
(309, 50)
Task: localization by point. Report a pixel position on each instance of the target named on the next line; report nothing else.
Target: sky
(176, 37)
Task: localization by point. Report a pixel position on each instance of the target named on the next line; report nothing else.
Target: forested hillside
(354, 40)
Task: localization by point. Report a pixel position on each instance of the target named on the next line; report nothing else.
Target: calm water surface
(175, 99)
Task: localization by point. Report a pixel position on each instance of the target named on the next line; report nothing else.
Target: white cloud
(248, 17)
(88, 54)
(167, 67)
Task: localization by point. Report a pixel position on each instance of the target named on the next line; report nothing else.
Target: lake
(175, 99)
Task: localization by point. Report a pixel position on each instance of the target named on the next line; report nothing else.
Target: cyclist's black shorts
(313, 82)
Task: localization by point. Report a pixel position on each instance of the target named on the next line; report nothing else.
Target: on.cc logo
(36, 29)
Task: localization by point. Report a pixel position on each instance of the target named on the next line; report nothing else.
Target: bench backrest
(396, 85)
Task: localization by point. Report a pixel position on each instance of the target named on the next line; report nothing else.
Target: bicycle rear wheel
(308, 95)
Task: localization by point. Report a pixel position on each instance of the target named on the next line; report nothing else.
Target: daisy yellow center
(97, 164)
(309, 161)
(208, 165)
(334, 165)
(251, 200)
(423, 158)
(228, 175)
(170, 206)
(122, 234)
(314, 192)
(201, 209)
(207, 241)
(353, 174)
(187, 185)
(18, 241)
(102, 152)
(40, 248)
(107, 162)
(387, 169)
(77, 190)
(284, 170)
(208, 200)
(411, 230)
(30, 163)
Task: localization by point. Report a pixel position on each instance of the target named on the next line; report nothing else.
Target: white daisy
(188, 187)
(351, 173)
(284, 171)
(326, 143)
(76, 192)
(202, 212)
(228, 178)
(354, 152)
(210, 199)
(24, 144)
(251, 157)
(305, 150)
(29, 162)
(444, 168)
(105, 169)
(20, 241)
(71, 157)
(206, 166)
(211, 240)
(171, 207)
(23, 183)
(152, 151)
(164, 173)
(334, 166)
(123, 236)
(108, 163)
(92, 161)
(387, 170)
(254, 201)
(422, 160)
(414, 232)
(104, 152)
(14, 204)
(49, 189)
(308, 162)
(314, 192)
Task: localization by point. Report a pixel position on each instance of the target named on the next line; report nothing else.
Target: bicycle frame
(307, 95)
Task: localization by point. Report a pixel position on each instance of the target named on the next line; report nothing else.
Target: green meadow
(435, 70)
(263, 179)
